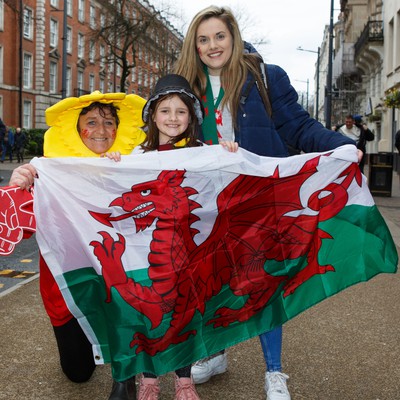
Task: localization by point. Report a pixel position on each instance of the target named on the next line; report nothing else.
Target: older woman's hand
(112, 155)
(23, 176)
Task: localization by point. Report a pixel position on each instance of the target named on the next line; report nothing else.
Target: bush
(34, 145)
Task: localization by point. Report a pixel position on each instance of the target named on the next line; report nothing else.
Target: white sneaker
(275, 386)
(204, 369)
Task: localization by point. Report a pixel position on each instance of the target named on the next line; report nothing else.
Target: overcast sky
(285, 24)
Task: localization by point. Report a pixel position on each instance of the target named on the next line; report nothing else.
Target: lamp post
(21, 63)
(64, 54)
(307, 81)
(329, 75)
(317, 90)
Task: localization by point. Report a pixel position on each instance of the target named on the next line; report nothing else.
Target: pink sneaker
(149, 388)
(184, 389)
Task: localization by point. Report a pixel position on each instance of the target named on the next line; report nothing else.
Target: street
(23, 263)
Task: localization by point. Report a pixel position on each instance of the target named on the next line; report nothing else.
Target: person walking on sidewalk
(8, 145)
(19, 144)
(229, 79)
(355, 129)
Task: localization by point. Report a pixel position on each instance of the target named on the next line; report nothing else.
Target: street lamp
(307, 81)
(317, 90)
(329, 75)
(64, 54)
(64, 50)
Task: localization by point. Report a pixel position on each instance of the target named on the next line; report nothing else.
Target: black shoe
(125, 390)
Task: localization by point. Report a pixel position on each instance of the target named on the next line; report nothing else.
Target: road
(23, 263)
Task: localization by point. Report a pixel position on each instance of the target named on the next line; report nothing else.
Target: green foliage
(392, 99)
(375, 117)
(34, 145)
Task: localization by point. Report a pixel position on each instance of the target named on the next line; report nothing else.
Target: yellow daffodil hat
(62, 138)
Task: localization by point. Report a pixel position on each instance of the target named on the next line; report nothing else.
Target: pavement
(344, 348)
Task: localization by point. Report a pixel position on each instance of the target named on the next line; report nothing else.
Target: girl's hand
(229, 145)
(113, 155)
(23, 176)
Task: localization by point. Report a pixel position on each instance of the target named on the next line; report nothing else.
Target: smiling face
(172, 118)
(214, 44)
(97, 130)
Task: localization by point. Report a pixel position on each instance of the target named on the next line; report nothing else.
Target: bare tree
(128, 27)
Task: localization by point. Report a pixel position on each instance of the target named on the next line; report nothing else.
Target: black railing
(373, 32)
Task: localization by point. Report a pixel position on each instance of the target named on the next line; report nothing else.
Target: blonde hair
(233, 74)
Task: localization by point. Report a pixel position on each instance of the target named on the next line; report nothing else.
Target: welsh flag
(168, 257)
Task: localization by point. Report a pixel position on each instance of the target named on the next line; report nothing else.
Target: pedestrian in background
(3, 131)
(8, 144)
(19, 144)
(355, 129)
(231, 80)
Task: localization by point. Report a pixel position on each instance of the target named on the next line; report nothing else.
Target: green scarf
(209, 126)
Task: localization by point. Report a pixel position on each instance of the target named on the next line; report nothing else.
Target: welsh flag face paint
(97, 130)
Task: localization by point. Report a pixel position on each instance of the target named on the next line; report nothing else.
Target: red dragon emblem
(257, 221)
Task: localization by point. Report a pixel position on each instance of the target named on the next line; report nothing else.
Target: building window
(69, 40)
(69, 8)
(1, 64)
(27, 117)
(28, 23)
(53, 77)
(27, 78)
(102, 55)
(92, 51)
(101, 85)
(81, 45)
(92, 12)
(91, 83)
(80, 80)
(54, 3)
(68, 82)
(53, 33)
(81, 10)
(1, 15)
(102, 20)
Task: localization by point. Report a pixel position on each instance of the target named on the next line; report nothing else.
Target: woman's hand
(113, 155)
(229, 145)
(23, 176)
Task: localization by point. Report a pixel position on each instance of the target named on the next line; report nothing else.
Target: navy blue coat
(290, 123)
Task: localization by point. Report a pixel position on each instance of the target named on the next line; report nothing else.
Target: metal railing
(373, 32)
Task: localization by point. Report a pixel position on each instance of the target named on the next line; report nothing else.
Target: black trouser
(76, 355)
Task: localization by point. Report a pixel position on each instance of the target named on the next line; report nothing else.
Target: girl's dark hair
(104, 109)
(152, 132)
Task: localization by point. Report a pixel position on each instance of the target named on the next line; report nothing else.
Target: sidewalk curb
(19, 285)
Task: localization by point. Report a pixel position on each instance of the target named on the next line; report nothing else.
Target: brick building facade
(33, 74)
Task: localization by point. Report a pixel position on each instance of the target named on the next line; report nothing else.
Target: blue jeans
(271, 344)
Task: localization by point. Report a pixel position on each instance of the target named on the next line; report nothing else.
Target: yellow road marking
(10, 273)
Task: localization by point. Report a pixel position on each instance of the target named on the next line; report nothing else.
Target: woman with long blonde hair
(254, 104)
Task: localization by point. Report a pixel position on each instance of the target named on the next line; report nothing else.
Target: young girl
(172, 115)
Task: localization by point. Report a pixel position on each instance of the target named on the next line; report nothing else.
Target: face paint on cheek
(114, 134)
(85, 133)
(199, 51)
